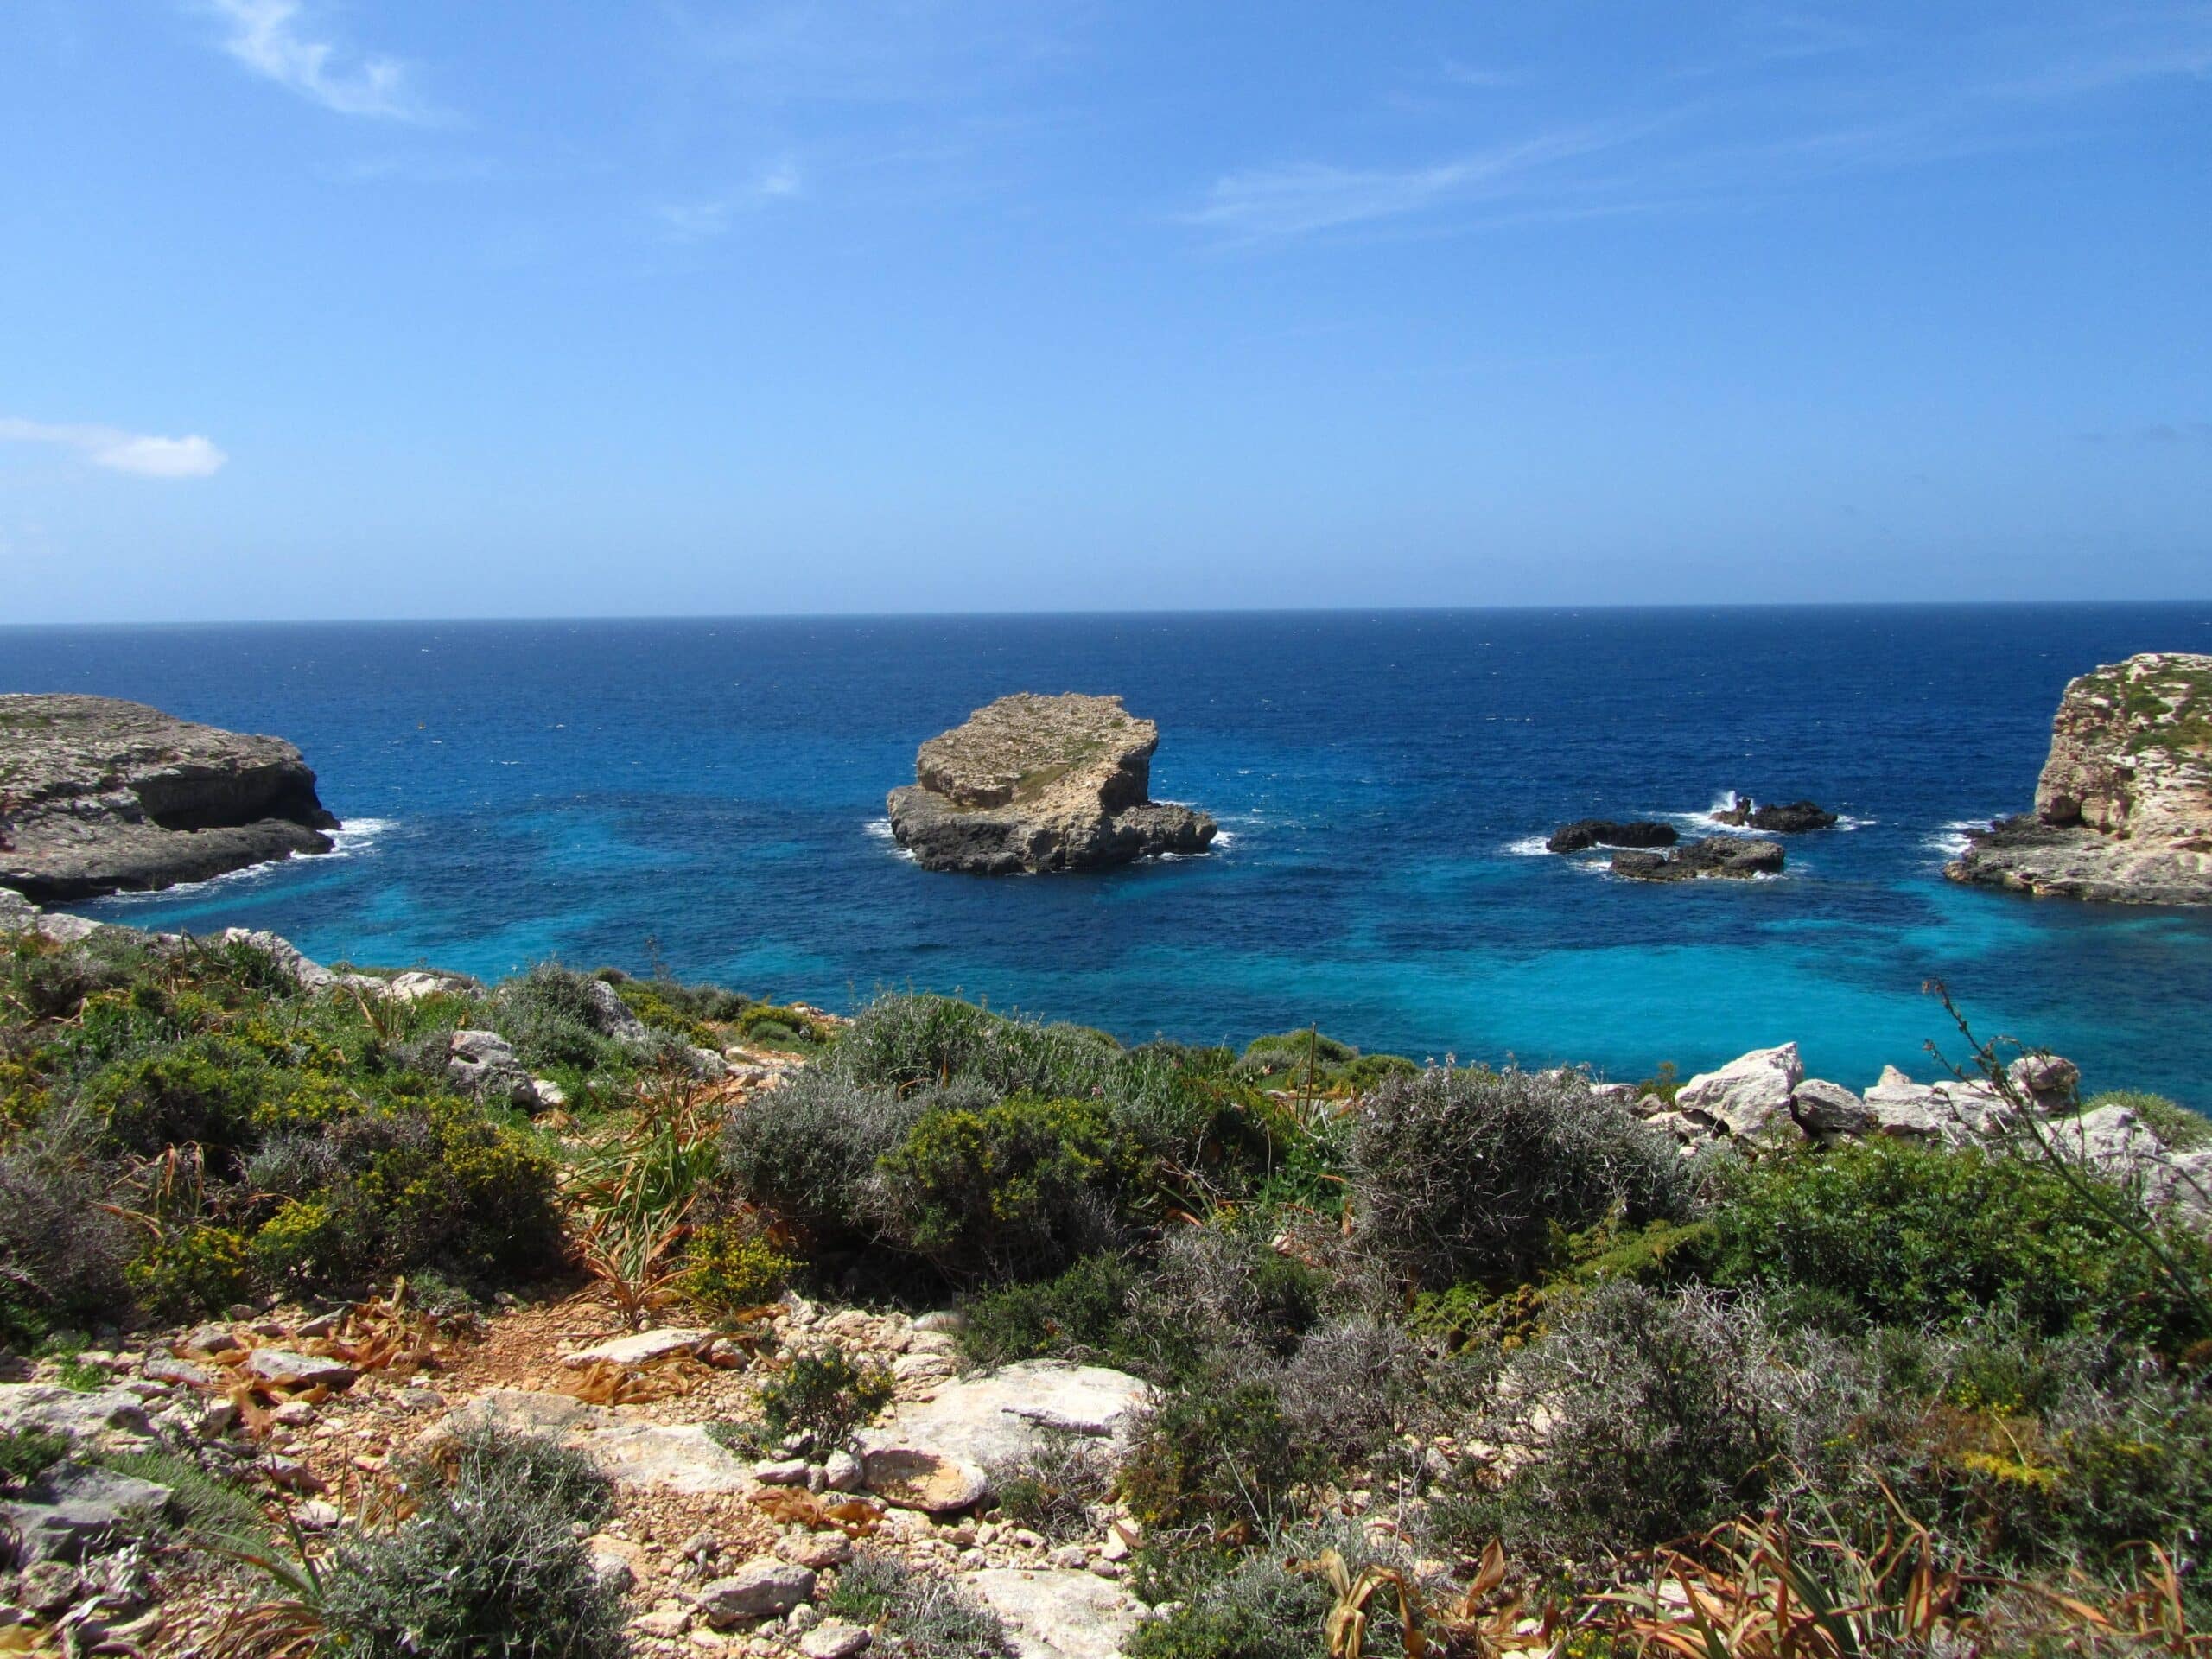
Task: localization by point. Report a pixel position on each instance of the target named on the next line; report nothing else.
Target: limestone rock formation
(99, 795)
(1036, 782)
(1730, 857)
(1586, 833)
(2123, 809)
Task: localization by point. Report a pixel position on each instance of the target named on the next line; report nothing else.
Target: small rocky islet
(1032, 783)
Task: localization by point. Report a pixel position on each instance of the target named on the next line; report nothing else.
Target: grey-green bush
(1661, 1416)
(808, 1151)
(492, 1562)
(1473, 1175)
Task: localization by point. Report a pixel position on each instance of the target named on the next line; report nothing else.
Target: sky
(408, 308)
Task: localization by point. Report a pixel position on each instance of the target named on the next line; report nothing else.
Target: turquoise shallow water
(709, 795)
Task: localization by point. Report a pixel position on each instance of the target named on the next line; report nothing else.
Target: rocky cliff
(2123, 809)
(100, 796)
(1036, 782)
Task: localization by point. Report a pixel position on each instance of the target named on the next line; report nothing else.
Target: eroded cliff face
(1033, 783)
(2124, 808)
(100, 796)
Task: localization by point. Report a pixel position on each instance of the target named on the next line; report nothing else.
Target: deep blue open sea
(709, 795)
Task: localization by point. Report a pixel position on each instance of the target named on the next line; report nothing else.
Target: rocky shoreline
(2123, 810)
(100, 796)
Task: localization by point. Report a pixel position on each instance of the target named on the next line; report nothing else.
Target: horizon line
(1162, 612)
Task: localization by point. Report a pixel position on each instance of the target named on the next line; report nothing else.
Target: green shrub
(1082, 1314)
(554, 1017)
(907, 1043)
(62, 1255)
(1216, 1455)
(418, 1184)
(824, 1396)
(730, 1265)
(492, 1562)
(930, 1617)
(1900, 1234)
(190, 1272)
(1475, 1176)
(203, 1091)
(1223, 1287)
(1270, 1603)
(764, 1025)
(1013, 1190)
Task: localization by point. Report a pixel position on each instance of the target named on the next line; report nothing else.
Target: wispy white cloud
(1263, 204)
(272, 38)
(1797, 99)
(701, 219)
(136, 453)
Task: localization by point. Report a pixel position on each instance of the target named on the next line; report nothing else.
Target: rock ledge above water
(100, 796)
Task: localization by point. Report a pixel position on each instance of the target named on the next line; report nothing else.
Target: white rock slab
(1052, 1613)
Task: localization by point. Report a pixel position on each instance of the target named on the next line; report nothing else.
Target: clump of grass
(931, 1618)
(1054, 1488)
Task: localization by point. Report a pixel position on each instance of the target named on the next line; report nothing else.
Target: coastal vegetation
(1441, 1356)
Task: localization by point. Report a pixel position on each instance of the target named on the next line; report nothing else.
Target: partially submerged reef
(383, 1313)
(2123, 810)
(100, 796)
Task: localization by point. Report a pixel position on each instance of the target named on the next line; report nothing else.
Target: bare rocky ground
(317, 1410)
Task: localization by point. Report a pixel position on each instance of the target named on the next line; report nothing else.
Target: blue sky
(543, 307)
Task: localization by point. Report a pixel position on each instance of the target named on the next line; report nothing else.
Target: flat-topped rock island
(101, 796)
(1032, 783)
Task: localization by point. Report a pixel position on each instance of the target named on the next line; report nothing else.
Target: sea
(705, 797)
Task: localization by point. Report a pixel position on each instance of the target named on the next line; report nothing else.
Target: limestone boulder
(1750, 1095)
(935, 1454)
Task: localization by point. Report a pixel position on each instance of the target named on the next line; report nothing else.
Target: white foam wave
(880, 827)
(1225, 837)
(354, 836)
(1953, 839)
(1529, 847)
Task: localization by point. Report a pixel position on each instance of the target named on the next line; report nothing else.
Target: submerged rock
(100, 796)
(1730, 857)
(1035, 783)
(1586, 833)
(2123, 810)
